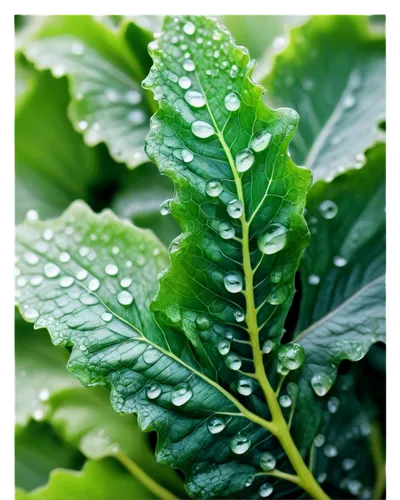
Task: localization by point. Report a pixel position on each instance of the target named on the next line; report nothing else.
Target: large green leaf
(333, 74)
(107, 103)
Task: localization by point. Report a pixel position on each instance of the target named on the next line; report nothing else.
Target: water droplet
(185, 82)
(307, 84)
(215, 425)
(32, 215)
(181, 394)
(125, 298)
(153, 391)
(291, 355)
(354, 487)
(133, 97)
(64, 257)
(285, 401)
(31, 258)
(244, 160)
(21, 281)
(249, 481)
(321, 383)
(233, 282)
(333, 405)
(273, 239)
(195, 99)
(111, 269)
(38, 415)
(232, 102)
(348, 464)
(44, 394)
(202, 129)
(235, 209)
(233, 73)
(267, 461)
(224, 346)
(82, 125)
(51, 270)
(265, 490)
(203, 322)
(189, 65)
(226, 230)
(278, 295)
(313, 279)
(267, 346)
(322, 477)
(126, 282)
(36, 280)
(88, 299)
(330, 451)
(233, 361)
(48, 234)
(31, 314)
(94, 284)
(319, 440)
(339, 261)
(275, 276)
(349, 101)
(151, 355)
(187, 156)
(165, 207)
(328, 209)
(106, 316)
(240, 443)
(66, 281)
(260, 141)
(189, 28)
(136, 117)
(244, 386)
(213, 188)
(81, 274)
(239, 315)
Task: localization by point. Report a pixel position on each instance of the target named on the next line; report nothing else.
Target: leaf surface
(333, 74)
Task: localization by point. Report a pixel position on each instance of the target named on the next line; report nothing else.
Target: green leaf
(100, 480)
(107, 103)
(333, 74)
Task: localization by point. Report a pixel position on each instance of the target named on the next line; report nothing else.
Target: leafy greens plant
(197, 342)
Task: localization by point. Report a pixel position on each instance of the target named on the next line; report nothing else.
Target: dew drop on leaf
(213, 188)
(187, 156)
(181, 394)
(321, 383)
(267, 346)
(215, 425)
(240, 443)
(31, 314)
(319, 440)
(233, 361)
(244, 386)
(328, 209)
(224, 346)
(189, 28)
(66, 281)
(125, 298)
(94, 284)
(285, 401)
(51, 270)
(273, 239)
(165, 207)
(333, 405)
(330, 451)
(64, 257)
(260, 141)
(239, 315)
(244, 160)
(226, 230)
(125, 282)
(267, 461)
(233, 282)
(189, 65)
(313, 279)
(278, 295)
(111, 269)
(291, 355)
(106, 316)
(232, 102)
(195, 99)
(235, 209)
(185, 82)
(153, 391)
(265, 490)
(201, 129)
(339, 261)
(203, 322)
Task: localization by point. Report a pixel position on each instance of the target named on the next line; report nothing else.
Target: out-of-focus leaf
(333, 74)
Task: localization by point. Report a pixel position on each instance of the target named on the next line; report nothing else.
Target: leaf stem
(144, 478)
(281, 475)
(378, 456)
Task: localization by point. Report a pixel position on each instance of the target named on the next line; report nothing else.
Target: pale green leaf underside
(333, 74)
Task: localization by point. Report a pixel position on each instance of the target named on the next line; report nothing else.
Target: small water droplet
(232, 102)
(77, 49)
(203, 322)
(285, 401)
(349, 101)
(278, 295)
(44, 394)
(260, 141)
(189, 65)
(48, 234)
(249, 481)
(239, 315)
(328, 209)
(126, 282)
(233, 282)
(330, 451)
(189, 28)
(153, 391)
(64, 257)
(32, 215)
(187, 156)
(111, 269)
(273, 239)
(215, 425)
(313, 279)
(233, 361)
(195, 99)
(226, 230)
(106, 316)
(165, 207)
(265, 490)
(81, 274)
(339, 261)
(333, 405)
(51, 270)
(125, 298)
(244, 386)
(321, 383)
(38, 415)
(181, 394)
(244, 160)
(322, 477)
(36, 280)
(66, 281)
(31, 258)
(185, 82)
(31, 314)
(348, 464)
(224, 346)
(319, 440)
(354, 487)
(202, 129)
(235, 209)
(82, 125)
(94, 284)
(267, 461)
(240, 443)
(291, 355)
(267, 346)
(214, 188)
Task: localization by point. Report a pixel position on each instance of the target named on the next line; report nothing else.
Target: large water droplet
(285, 401)
(153, 391)
(328, 209)
(233, 361)
(215, 425)
(66, 281)
(278, 295)
(187, 156)
(94, 284)
(226, 230)
(202, 129)
(106, 316)
(64, 257)
(321, 383)
(31, 314)
(235, 209)
(260, 141)
(244, 160)
(267, 346)
(185, 82)
(224, 346)
(203, 323)
(189, 28)
(165, 207)
(51, 270)
(181, 394)
(195, 99)
(265, 490)
(291, 355)
(125, 298)
(111, 269)
(244, 386)
(126, 282)
(273, 239)
(233, 282)
(189, 65)
(81, 274)
(214, 188)
(267, 461)
(31, 258)
(232, 102)
(240, 443)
